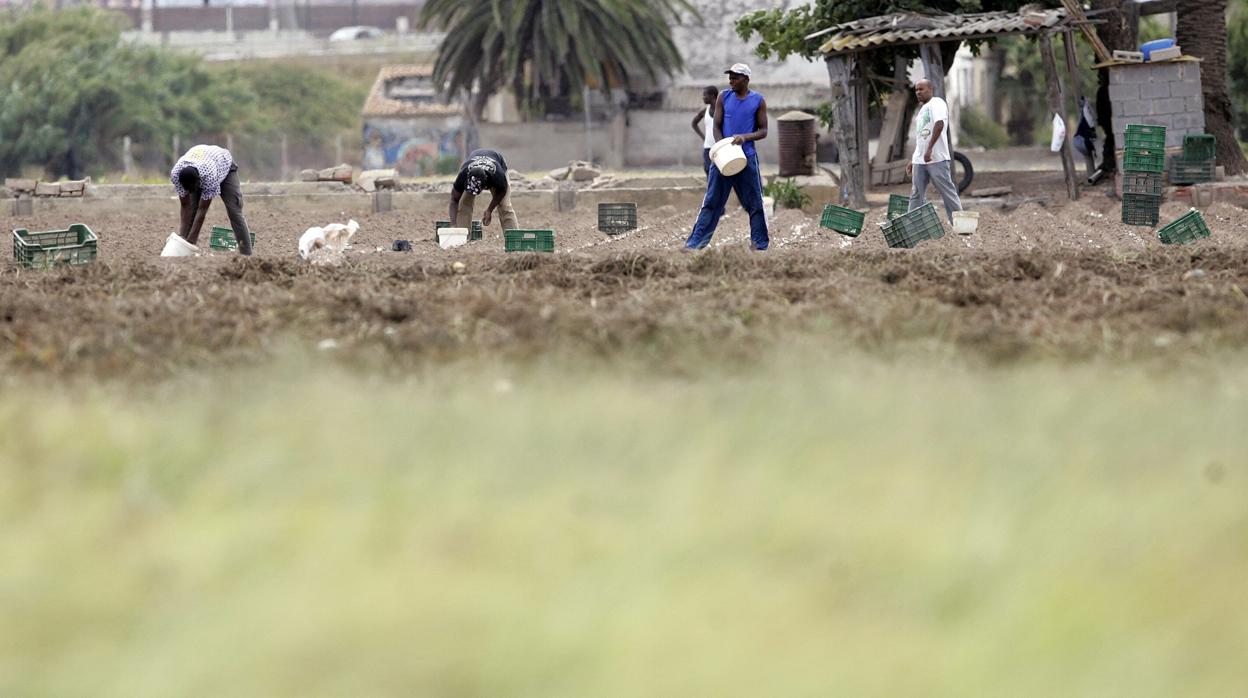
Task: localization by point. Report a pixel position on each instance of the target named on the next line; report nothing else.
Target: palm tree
(1201, 31)
(551, 47)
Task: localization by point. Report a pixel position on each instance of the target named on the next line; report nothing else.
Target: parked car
(356, 33)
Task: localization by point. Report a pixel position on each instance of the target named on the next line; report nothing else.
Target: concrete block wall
(1158, 94)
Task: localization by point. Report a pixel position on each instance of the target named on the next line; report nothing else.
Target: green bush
(975, 128)
(787, 194)
(447, 165)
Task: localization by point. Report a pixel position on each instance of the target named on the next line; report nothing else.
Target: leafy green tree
(542, 48)
(1237, 63)
(71, 89)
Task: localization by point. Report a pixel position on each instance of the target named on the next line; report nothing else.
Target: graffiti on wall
(416, 147)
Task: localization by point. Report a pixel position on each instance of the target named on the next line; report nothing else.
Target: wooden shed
(845, 47)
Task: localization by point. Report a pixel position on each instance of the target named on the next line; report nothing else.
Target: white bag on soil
(334, 237)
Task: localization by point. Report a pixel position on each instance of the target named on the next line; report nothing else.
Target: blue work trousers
(749, 187)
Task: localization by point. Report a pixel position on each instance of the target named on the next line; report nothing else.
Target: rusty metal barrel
(797, 144)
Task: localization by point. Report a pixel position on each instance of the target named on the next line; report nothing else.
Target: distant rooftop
(405, 90)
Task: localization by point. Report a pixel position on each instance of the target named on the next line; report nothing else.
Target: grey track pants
(940, 177)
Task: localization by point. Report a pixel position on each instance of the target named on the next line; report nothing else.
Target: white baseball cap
(739, 69)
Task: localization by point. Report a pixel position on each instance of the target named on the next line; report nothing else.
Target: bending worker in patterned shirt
(198, 176)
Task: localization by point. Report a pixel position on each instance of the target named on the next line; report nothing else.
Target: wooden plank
(1156, 7)
(861, 98)
(1055, 106)
(845, 129)
(1076, 12)
(893, 130)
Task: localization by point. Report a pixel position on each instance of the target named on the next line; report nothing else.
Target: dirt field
(1067, 281)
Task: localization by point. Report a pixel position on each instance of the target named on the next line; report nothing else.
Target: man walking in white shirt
(931, 152)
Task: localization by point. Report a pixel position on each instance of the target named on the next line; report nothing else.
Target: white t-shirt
(708, 126)
(935, 110)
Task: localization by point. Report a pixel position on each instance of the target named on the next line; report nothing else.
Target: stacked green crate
(1196, 165)
(1144, 160)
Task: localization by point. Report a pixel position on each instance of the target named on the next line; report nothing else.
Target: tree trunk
(1120, 32)
(1201, 32)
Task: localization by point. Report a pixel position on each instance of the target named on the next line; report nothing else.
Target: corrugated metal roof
(779, 96)
(383, 102)
(913, 28)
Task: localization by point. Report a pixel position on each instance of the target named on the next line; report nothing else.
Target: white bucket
(729, 158)
(175, 246)
(769, 209)
(965, 222)
(452, 237)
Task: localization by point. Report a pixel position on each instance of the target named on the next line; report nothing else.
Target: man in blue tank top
(741, 115)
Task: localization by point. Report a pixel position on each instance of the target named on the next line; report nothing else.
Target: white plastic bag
(1059, 134)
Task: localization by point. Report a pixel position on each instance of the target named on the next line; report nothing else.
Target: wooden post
(845, 128)
(127, 157)
(1076, 89)
(1055, 106)
(285, 159)
(861, 98)
(177, 147)
(338, 148)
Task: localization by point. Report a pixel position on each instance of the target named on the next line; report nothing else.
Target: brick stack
(1143, 162)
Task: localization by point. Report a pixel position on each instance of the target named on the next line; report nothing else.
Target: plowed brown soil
(1068, 281)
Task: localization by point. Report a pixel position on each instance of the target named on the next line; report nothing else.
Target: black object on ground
(401, 246)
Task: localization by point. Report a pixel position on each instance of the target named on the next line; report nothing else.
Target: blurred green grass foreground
(804, 526)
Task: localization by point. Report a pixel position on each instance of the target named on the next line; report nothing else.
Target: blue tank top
(739, 116)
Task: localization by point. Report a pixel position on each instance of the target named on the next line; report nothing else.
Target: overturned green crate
(475, 231)
(1147, 183)
(614, 219)
(74, 246)
(909, 229)
(1140, 209)
(1187, 228)
(1200, 146)
(529, 240)
(222, 238)
(898, 204)
(1184, 171)
(845, 221)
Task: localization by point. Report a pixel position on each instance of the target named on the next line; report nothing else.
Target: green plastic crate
(909, 229)
(1146, 137)
(845, 221)
(475, 231)
(1200, 146)
(74, 246)
(1140, 209)
(222, 238)
(614, 219)
(1187, 228)
(1184, 171)
(1147, 183)
(1144, 160)
(529, 240)
(898, 204)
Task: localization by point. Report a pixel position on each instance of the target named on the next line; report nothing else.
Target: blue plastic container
(1148, 47)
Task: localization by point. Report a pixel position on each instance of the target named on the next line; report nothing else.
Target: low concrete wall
(323, 197)
(665, 138)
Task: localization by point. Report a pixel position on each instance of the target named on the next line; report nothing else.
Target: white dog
(335, 237)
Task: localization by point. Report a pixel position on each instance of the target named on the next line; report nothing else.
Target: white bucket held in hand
(176, 246)
(729, 158)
